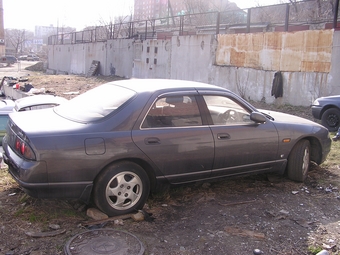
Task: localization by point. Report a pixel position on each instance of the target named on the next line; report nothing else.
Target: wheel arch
(142, 163)
(315, 149)
(326, 107)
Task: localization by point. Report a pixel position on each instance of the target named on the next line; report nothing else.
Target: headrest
(174, 100)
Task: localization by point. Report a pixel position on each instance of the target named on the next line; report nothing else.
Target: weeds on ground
(6, 180)
(333, 157)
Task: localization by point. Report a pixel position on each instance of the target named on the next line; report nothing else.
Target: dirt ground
(234, 216)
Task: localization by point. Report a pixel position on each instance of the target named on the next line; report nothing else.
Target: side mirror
(258, 117)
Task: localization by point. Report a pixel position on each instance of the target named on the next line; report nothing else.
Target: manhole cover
(104, 241)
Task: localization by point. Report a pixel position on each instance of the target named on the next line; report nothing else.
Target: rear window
(95, 104)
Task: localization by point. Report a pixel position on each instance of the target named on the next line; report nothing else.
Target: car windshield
(95, 104)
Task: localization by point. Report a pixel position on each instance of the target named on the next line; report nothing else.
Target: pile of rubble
(38, 67)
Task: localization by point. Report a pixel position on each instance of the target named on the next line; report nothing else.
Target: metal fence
(281, 17)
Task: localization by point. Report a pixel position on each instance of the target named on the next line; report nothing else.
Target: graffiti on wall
(303, 51)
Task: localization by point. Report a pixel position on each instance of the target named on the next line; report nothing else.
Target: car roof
(141, 85)
(6, 106)
(38, 100)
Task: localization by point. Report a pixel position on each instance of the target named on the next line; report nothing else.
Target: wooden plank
(93, 69)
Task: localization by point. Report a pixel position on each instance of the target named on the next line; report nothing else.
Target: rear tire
(331, 119)
(299, 161)
(121, 188)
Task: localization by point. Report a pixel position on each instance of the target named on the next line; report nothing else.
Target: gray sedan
(122, 140)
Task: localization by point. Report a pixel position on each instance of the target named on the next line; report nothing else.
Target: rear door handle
(152, 140)
(223, 136)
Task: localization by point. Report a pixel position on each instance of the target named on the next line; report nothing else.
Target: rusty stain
(302, 51)
(237, 58)
(272, 41)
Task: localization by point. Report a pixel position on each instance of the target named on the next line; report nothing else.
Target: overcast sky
(26, 14)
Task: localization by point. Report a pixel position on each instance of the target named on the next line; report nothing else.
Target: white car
(32, 57)
(25, 104)
(37, 102)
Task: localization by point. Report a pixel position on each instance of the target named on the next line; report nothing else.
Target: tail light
(22, 148)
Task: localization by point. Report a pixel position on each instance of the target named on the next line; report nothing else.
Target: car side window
(225, 111)
(173, 111)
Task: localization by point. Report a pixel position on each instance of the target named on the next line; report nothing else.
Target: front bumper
(316, 111)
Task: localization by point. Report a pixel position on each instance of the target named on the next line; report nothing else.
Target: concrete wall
(115, 57)
(152, 59)
(195, 58)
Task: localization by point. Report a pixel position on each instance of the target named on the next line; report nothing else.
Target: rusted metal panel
(242, 42)
(257, 42)
(270, 60)
(303, 51)
(272, 41)
(237, 58)
(290, 60)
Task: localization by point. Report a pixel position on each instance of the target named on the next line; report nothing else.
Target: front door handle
(223, 136)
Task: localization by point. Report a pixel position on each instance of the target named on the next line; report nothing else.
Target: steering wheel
(224, 117)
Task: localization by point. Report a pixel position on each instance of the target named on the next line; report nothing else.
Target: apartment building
(154, 9)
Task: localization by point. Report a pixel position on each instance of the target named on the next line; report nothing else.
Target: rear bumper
(33, 178)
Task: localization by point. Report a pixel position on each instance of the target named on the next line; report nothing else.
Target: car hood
(336, 97)
(289, 119)
(43, 121)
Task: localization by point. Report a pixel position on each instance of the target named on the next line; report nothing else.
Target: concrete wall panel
(152, 59)
(191, 57)
(208, 58)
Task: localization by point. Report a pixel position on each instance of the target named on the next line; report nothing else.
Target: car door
(241, 145)
(173, 137)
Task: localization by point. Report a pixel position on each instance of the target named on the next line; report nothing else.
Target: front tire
(121, 188)
(299, 161)
(331, 119)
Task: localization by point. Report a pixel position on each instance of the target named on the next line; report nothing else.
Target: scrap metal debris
(46, 234)
(238, 203)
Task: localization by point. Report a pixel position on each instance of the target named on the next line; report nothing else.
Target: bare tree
(117, 27)
(196, 6)
(222, 5)
(17, 39)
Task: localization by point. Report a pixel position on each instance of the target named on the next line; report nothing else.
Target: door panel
(181, 154)
(173, 137)
(241, 145)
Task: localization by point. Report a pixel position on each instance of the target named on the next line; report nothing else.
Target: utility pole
(171, 12)
(336, 11)
(2, 31)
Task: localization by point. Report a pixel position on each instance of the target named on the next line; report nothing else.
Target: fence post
(218, 23)
(248, 20)
(287, 17)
